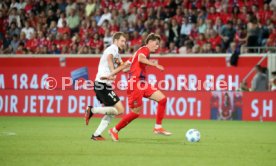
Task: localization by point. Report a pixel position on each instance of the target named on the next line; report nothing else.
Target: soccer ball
(193, 135)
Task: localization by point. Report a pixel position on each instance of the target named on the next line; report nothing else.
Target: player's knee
(121, 110)
(163, 101)
(136, 110)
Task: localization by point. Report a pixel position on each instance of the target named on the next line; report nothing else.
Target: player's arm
(123, 66)
(143, 59)
(126, 69)
(110, 62)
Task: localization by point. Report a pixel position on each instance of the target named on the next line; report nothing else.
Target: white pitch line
(7, 133)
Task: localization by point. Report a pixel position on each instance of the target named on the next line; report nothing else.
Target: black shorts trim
(105, 94)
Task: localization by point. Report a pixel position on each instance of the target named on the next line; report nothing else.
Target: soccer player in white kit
(110, 61)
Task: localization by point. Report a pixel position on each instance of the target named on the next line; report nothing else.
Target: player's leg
(134, 113)
(90, 111)
(97, 135)
(107, 97)
(127, 119)
(159, 97)
(135, 104)
(106, 121)
(112, 102)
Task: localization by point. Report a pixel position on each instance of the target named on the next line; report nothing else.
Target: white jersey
(103, 68)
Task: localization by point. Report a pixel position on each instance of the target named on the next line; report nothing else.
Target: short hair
(259, 67)
(152, 37)
(117, 36)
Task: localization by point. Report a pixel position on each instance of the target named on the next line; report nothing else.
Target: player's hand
(107, 78)
(160, 67)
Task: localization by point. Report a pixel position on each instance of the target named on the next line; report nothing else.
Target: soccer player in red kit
(138, 88)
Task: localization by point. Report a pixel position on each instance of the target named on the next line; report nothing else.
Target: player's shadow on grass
(163, 141)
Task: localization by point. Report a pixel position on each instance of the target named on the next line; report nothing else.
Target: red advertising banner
(172, 79)
(259, 106)
(251, 106)
(195, 89)
(72, 103)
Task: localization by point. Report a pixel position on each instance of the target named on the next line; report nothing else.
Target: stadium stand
(86, 26)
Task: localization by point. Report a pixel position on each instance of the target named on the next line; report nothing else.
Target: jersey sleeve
(145, 51)
(111, 51)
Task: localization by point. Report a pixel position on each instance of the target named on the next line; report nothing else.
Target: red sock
(126, 120)
(161, 110)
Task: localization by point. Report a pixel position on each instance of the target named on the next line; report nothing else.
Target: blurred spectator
(73, 20)
(61, 20)
(70, 5)
(20, 48)
(173, 49)
(51, 17)
(53, 28)
(105, 16)
(107, 38)
(163, 49)
(96, 44)
(13, 30)
(196, 49)
(260, 80)
(135, 41)
(201, 40)
(90, 7)
(233, 49)
(212, 14)
(65, 42)
(188, 45)
(227, 34)
(253, 31)
(218, 49)
(176, 32)
(54, 49)
(224, 16)
(14, 44)
(178, 16)
(32, 43)
(28, 30)
(215, 39)
(194, 32)
(201, 25)
(218, 25)
(271, 41)
(53, 6)
(65, 28)
(74, 48)
(207, 48)
(21, 5)
(240, 35)
(186, 29)
(14, 4)
(14, 17)
(84, 50)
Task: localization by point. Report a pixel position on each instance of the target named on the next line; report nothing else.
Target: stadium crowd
(86, 26)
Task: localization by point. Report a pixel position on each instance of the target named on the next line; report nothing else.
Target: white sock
(115, 130)
(105, 110)
(158, 126)
(103, 125)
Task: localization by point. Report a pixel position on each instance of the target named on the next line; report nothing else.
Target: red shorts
(136, 92)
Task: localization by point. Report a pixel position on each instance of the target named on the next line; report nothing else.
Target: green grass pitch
(36, 141)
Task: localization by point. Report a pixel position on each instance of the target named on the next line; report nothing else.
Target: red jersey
(137, 69)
